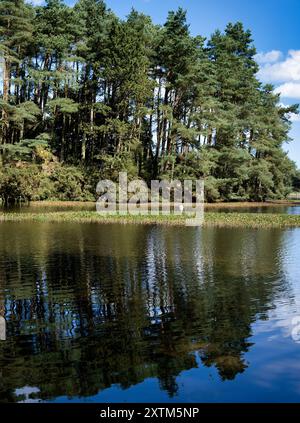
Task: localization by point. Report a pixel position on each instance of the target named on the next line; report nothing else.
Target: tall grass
(230, 220)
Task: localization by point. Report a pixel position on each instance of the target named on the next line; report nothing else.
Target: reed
(226, 220)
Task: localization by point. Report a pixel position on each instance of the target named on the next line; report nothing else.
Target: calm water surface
(144, 313)
(281, 209)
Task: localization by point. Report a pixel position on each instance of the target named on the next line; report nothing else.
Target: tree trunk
(6, 78)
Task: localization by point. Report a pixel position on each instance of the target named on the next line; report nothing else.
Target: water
(281, 209)
(142, 313)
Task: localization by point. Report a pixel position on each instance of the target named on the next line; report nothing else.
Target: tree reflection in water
(91, 306)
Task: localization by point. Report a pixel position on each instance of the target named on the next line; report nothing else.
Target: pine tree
(82, 87)
(15, 34)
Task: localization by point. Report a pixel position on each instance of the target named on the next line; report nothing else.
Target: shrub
(26, 182)
(18, 183)
(69, 184)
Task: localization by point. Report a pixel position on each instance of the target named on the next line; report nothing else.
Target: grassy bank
(231, 220)
(208, 206)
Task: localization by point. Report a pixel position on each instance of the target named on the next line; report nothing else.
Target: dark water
(281, 209)
(141, 313)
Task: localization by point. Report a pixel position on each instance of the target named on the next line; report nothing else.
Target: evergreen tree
(83, 88)
(15, 35)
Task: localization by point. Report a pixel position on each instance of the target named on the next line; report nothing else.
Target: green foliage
(112, 165)
(37, 150)
(68, 182)
(296, 181)
(26, 182)
(63, 105)
(87, 90)
(211, 188)
(260, 181)
(18, 184)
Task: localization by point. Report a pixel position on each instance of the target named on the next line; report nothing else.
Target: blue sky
(274, 25)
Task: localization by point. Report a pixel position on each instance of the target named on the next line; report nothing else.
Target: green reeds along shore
(219, 219)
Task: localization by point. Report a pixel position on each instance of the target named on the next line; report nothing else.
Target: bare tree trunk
(6, 77)
(83, 147)
(63, 140)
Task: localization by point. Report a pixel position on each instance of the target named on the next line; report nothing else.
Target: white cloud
(269, 57)
(293, 116)
(289, 90)
(35, 2)
(287, 70)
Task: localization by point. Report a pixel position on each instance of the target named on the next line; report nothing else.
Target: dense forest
(86, 95)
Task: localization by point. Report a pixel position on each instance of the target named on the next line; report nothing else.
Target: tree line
(87, 95)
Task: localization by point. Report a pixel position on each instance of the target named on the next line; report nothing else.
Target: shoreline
(220, 220)
(230, 204)
(217, 205)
